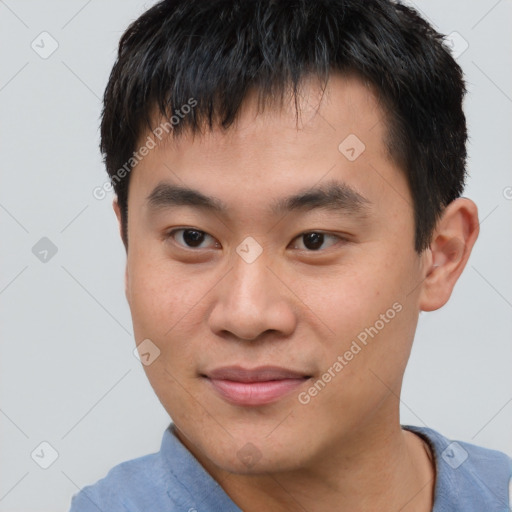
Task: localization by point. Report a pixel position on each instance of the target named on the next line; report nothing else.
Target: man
(288, 179)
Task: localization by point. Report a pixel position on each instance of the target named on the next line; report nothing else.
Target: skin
(206, 307)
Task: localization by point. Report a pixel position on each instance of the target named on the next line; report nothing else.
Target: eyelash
(172, 233)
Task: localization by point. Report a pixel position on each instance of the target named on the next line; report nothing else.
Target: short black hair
(212, 52)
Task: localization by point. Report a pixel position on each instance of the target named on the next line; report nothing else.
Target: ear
(117, 211)
(452, 241)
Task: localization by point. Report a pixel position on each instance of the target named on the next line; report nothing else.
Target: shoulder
(129, 486)
(170, 480)
(468, 477)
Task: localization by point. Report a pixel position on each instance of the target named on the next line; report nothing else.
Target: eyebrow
(332, 195)
(166, 195)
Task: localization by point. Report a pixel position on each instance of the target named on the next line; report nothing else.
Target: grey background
(68, 374)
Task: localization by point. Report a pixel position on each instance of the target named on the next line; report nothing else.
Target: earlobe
(452, 241)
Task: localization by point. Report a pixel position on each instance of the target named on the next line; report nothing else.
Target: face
(276, 245)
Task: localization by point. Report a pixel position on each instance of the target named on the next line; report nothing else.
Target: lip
(257, 386)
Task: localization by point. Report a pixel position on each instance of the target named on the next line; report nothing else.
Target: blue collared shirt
(468, 479)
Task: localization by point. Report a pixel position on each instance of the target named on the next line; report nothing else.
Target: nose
(251, 301)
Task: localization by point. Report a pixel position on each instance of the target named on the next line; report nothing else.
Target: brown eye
(315, 241)
(193, 238)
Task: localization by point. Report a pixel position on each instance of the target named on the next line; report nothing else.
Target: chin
(255, 455)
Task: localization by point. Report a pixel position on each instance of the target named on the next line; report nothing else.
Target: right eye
(190, 238)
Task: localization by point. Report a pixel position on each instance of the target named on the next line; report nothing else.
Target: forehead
(345, 102)
(338, 133)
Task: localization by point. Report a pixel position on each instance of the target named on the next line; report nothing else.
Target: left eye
(193, 238)
(315, 241)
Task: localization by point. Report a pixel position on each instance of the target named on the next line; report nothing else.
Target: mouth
(254, 387)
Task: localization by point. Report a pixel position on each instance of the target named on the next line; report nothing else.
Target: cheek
(161, 302)
(159, 296)
(168, 307)
(353, 298)
(371, 317)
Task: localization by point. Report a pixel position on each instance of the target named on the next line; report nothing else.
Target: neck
(377, 469)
